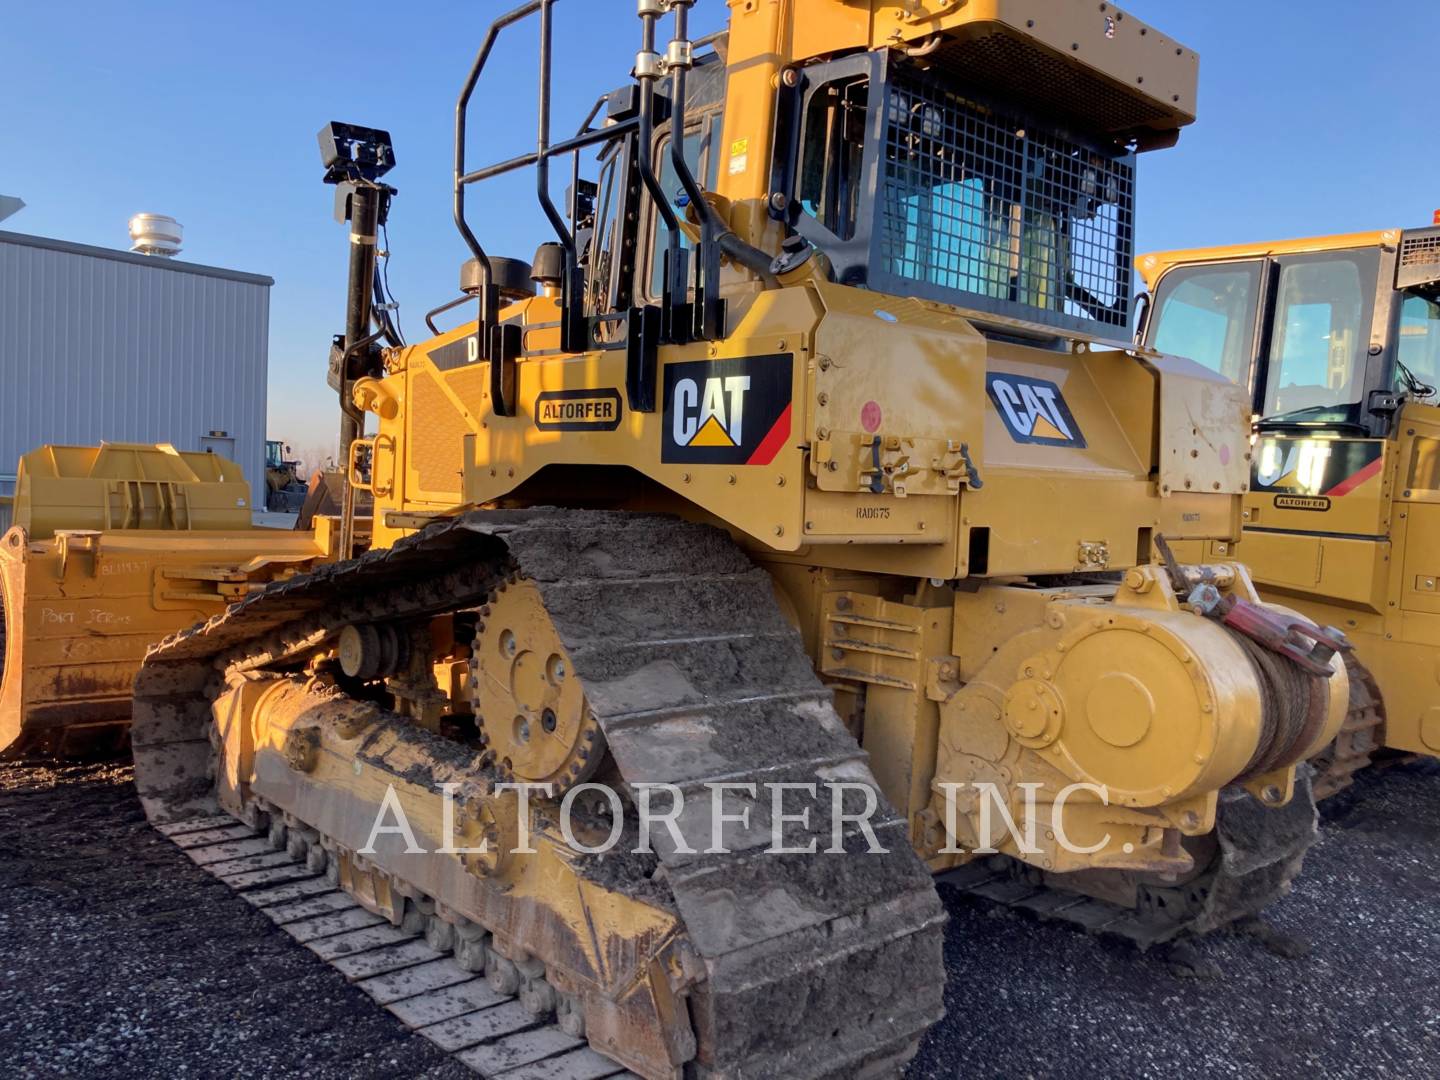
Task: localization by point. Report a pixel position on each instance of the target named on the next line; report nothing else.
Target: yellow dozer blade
(111, 549)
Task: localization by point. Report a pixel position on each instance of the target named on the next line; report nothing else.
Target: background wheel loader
(111, 549)
(811, 451)
(1338, 340)
(285, 490)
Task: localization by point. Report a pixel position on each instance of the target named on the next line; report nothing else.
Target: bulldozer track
(1362, 734)
(424, 987)
(1257, 854)
(816, 965)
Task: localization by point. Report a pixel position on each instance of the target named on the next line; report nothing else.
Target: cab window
(607, 241)
(1207, 314)
(1419, 351)
(1320, 335)
(703, 165)
(833, 153)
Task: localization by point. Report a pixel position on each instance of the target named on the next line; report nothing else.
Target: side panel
(1408, 673)
(1342, 570)
(708, 441)
(1330, 486)
(838, 427)
(1204, 419)
(1069, 448)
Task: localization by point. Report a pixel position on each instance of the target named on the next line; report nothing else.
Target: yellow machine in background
(1338, 340)
(814, 451)
(111, 549)
(284, 489)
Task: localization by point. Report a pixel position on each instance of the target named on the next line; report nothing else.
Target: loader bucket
(157, 541)
(56, 676)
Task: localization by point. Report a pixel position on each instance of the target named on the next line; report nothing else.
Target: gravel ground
(1028, 999)
(123, 959)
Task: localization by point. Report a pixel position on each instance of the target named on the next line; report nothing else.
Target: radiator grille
(438, 430)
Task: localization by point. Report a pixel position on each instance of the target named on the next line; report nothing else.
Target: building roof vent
(156, 234)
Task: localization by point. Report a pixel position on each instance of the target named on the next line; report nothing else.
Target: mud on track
(119, 957)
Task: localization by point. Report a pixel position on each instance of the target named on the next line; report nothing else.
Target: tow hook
(1309, 645)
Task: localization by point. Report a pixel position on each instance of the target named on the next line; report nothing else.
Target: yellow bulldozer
(1337, 339)
(111, 549)
(807, 486)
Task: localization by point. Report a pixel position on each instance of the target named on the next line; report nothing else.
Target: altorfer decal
(578, 410)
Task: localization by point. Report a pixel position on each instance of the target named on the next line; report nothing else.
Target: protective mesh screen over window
(1038, 226)
(1419, 259)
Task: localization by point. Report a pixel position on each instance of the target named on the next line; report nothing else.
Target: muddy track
(1258, 855)
(1362, 734)
(123, 959)
(415, 977)
(816, 965)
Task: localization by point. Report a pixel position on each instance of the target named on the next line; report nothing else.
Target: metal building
(97, 344)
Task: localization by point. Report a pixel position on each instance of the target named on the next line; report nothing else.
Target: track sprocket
(532, 711)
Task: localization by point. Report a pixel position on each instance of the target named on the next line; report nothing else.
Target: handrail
(572, 295)
(677, 320)
(489, 293)
(542, 148)
(449, 305)
(524, 161)
(462, 107)
(648, 69)
(599, 134)
(679, 72)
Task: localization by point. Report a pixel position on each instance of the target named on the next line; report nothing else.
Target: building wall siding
(107, 346)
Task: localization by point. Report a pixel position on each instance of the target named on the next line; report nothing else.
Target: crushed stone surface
(1030, 999)
(121, 958)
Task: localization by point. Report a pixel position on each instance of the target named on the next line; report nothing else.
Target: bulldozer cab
(913, 184)
(1330, 335)
(958, 175)
(981, 156)
(897, 172)
(1338, 341)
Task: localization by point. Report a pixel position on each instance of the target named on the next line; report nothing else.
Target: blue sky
(1312, 119)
